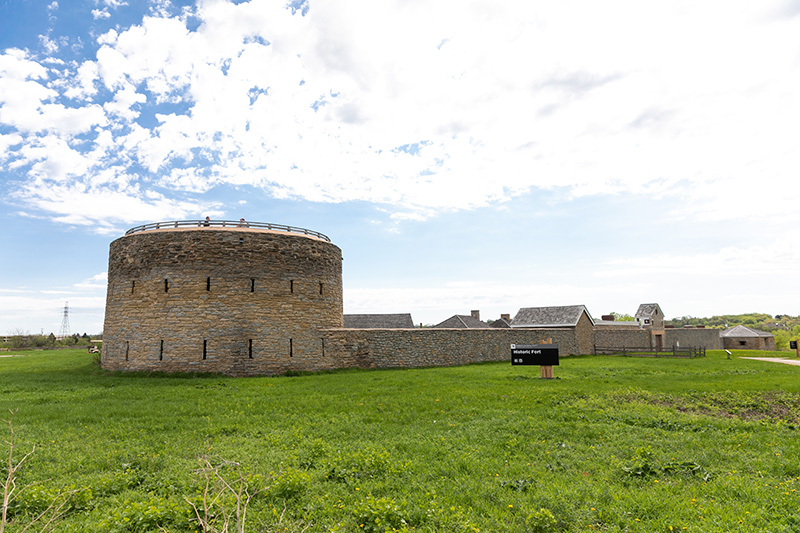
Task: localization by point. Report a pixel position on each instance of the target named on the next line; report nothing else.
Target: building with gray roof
(563, 316)
(462, 322)
(378, 321)
(744, 338)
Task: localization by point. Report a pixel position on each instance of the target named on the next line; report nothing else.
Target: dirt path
(795, 362)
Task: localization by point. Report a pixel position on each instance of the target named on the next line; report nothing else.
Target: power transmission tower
(64, 332)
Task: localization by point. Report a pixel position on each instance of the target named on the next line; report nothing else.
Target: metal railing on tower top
(239, 224)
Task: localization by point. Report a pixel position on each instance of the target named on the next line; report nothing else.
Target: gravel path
(795, 362)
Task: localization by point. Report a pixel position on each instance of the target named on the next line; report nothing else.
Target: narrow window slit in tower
(252, 284)
(323, 347)
(291, 348)
(161, 351)
(166, 285)
(127, 349)
(291, 286)
(208, 284)
(133, 286)
(250, 349)
(320, 288)
(205, 349)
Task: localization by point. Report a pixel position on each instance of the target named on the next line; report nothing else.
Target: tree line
(21, 341)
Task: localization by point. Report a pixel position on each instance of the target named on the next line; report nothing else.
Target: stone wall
(631, 337)
(237, 301)
(409, 348)
(707, 337)
(622, 337)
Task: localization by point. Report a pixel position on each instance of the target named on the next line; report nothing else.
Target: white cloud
(102, 208)
(124, 100)
(82, 85)
(100, 14)
(98, 281)
(427, 107)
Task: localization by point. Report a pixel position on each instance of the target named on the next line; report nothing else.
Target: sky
(463, 154)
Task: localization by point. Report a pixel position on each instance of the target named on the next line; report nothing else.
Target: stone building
(220, 296)
(744, 338)
(471, 321)
(573, 318)
(379, 321)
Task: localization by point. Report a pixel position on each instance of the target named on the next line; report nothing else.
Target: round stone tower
(238, 298)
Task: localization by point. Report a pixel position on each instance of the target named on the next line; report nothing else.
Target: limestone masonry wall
(235, 301)
(621, 337)
(632, 337)
(407, 348)
(707, 337)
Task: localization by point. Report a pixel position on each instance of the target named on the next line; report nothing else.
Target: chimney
(506, 317)
(607, 318)
(476, 314)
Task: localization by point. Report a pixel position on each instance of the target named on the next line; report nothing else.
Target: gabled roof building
(463, 322)
(744, 338)
(650, 315)
(379, 321)
(564, 316)
(567, 317)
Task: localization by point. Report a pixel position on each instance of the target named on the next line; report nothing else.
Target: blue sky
(464, 155)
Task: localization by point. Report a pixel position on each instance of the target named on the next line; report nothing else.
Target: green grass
(613, 444)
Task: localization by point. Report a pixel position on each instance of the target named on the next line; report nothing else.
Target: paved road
(795, 362)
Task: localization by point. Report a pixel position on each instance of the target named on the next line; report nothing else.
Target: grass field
(613, 444)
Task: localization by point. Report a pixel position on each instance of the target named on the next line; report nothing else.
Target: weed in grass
(541, 521)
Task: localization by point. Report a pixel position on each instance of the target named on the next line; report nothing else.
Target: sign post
(543, 355)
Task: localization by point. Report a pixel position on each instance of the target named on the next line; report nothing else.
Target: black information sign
(534, 354)
(793, 345)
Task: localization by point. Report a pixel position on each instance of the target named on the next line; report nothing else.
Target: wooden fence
(675, 351)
